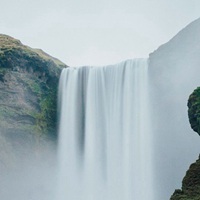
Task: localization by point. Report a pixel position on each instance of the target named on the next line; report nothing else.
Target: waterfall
(105, 148)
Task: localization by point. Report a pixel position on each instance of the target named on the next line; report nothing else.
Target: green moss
(194, 110)
(7, 111)
(190, 184)
(47, 117)
(3, 71)
(28, 80)
(34, 86)
(29, 88)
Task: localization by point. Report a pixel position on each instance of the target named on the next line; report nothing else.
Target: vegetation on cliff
(28, 83)
(191, 182)
(28, 94)
(194, 110)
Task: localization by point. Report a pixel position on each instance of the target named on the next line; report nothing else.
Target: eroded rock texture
(28, 94)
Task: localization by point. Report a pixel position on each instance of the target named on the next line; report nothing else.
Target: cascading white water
(105, 138)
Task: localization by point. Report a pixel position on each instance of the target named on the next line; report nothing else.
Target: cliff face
(190, 184)
(28, 94)
(174, 73)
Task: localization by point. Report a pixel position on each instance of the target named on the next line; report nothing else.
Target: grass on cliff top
(8, 43)
(46, 56)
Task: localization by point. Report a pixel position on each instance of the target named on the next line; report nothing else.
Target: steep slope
(174, 74)
(28, 93)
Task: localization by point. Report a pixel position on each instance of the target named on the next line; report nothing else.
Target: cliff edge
(28, 94)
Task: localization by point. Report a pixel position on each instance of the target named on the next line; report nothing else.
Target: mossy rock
(190, 184)
(194, 110)
(28, 92)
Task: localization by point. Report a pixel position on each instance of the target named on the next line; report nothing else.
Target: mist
(174, 74)
(30, 172)
(29, 166)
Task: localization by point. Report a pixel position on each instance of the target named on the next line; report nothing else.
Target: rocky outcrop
(28, 94)
(194, 110)
(190, 184)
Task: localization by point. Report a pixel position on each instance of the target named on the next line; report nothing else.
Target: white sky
(96, 32)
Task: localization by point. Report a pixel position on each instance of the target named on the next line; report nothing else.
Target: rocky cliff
(28, 94)
(191, 182)
(174, 74)
(190, 185)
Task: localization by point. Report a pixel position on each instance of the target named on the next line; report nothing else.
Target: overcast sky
(96, 32)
